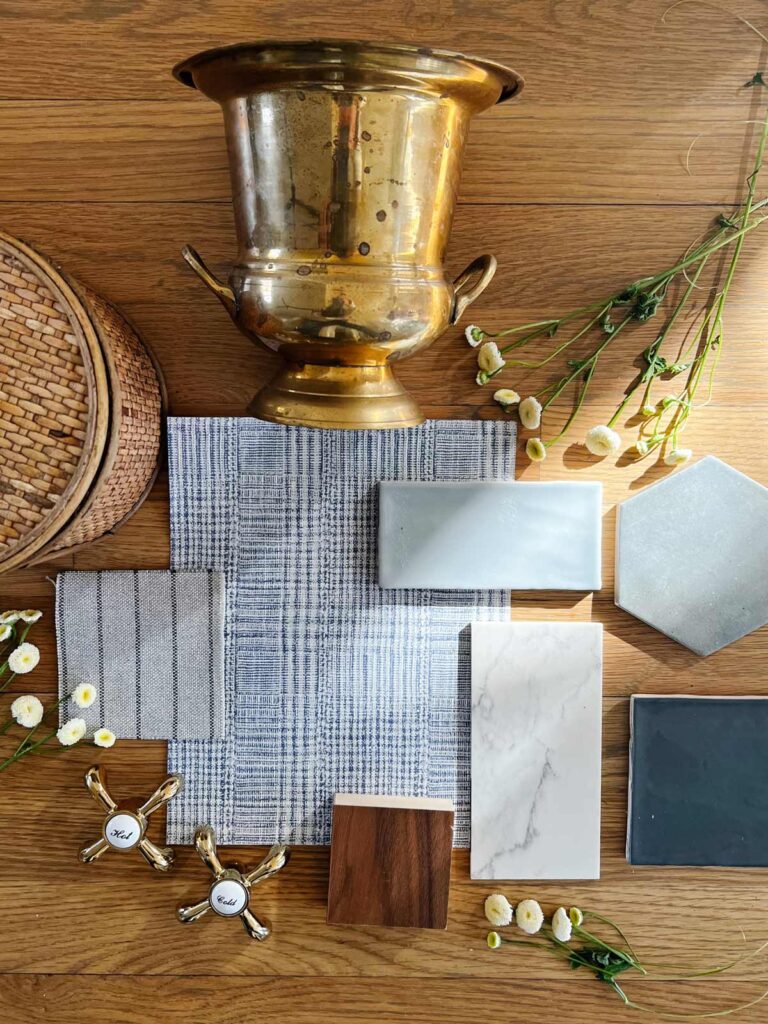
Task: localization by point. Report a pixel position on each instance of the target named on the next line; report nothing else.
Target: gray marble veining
(536, 750)
(490, 534)
(692, 556)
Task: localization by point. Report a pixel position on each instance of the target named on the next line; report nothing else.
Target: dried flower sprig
(27, 711)
(605, 319)
(606, 960)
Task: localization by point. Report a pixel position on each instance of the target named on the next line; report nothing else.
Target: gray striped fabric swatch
(152, 642)
(332, 684)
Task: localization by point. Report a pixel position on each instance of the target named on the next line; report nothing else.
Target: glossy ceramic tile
(536, 750)
(698, 788)
(476, 535)
(692, 556)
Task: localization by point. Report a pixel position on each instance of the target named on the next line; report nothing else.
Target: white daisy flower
(535, 449)
(489, 358)
(498, 910)
(474, 335)
(23, 659)
(28, 711)
(561, 925)
(30, 615)
(529, 412)
(506, 398)
(104, 738)
(71, 732)
(641, 447)
(529, 916)
(84, 695)
(8, 618)
(5, 632)
(678, 456)
(602, 441)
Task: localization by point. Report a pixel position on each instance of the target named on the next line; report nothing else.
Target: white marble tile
(536, 750)
(477, 535)
(692, 556)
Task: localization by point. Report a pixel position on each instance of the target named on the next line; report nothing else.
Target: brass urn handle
(481, 271)
(223, 292)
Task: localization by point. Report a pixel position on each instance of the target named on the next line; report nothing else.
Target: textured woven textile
(332, 684)
(152, 642)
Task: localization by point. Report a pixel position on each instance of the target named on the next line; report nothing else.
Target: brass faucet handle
(159, 857)
(205, 844)
(96, 783)
(124, 828)
(166, 791)
(257, 928)
(88, 854)
(230, 891)
(274, 861)
(193, 911)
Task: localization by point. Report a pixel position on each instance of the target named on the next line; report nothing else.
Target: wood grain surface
(110, 166)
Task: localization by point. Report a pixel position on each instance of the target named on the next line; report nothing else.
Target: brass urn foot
(339, 397)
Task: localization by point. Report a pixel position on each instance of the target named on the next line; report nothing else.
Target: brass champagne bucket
(345, 160)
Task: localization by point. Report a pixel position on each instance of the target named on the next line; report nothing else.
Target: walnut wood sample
(390, 861)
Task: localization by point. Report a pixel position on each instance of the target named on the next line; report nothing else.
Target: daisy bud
(529, 916)
(641, 447)
(30, 615)
(498, 910)
(678, 456)
(602, 441)
(489, 358)
(576, 916)
(529, 412)
(84, 695)
(648, 410)
(535, 449)
(474, 335)
(493, 940)
(561, 925)
(104, 738)
(23, 659)
(27, 711)
(71, 732)
(506, 398)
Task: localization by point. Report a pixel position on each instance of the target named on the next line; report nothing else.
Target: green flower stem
(612, 924)
(631, 959)
(4, 666)
(26, 740)
(669, 1015)
(566, 344)
(562, 384)
(8, 682)
(577, 406)
(18, 755)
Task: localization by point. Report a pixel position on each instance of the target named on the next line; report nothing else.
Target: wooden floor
(110, 167)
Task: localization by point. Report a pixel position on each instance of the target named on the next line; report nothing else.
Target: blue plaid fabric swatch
(331, 683)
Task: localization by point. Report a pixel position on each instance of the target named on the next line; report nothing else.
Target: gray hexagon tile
(692, 556)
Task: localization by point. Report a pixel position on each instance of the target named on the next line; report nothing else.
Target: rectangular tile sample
(390, 861)
(698, 781)
(477, 534)
(536, 750)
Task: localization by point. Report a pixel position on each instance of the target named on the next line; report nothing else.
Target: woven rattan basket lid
(54, 401)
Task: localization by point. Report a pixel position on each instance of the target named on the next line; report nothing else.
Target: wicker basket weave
(81, 405)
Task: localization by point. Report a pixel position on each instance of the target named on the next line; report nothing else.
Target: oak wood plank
(34, 999)
(606, 52)
(174, 151)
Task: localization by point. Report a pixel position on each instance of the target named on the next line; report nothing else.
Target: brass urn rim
(447, 71)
